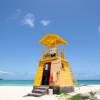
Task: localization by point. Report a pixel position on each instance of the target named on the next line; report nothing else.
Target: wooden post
(62, 52)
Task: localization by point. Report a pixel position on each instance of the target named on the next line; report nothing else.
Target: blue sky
(24, 22)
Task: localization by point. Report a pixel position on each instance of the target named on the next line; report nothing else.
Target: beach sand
(18, 92)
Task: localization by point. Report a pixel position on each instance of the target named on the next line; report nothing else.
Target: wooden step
(40, 90)
(41, 87)
(34, 94)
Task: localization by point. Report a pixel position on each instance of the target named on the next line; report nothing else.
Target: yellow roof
(52, 40)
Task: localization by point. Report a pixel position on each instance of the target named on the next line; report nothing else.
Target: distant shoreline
(31, 82)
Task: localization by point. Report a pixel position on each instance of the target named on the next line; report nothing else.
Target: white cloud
(5, 72)
(29, 20)
(45, 22)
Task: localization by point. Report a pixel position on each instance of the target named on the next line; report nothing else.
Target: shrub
(93, 95)
(76, 97)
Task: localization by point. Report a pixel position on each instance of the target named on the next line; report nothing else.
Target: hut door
(46, 74)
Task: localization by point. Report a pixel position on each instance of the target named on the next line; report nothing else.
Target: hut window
(62, 65)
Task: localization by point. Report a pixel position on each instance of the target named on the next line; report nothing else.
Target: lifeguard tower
(53, 70)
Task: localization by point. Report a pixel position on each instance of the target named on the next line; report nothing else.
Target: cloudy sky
(24, 22)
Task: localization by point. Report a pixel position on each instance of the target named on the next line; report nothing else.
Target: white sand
(86, 89)
(17, 92)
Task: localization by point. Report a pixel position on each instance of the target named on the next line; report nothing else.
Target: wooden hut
(53, 70)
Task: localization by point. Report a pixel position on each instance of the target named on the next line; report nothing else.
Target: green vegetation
(63, 94)
(93, 95)
(76, 97)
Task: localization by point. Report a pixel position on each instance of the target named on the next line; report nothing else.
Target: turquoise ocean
(30, 82)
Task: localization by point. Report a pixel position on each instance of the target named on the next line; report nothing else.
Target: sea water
(30, 82)
(89, 82)
(16, 82)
